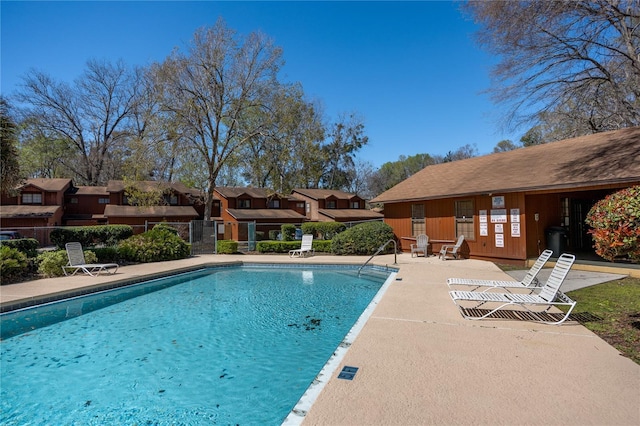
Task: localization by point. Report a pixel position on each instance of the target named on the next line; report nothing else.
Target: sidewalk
(421, 363)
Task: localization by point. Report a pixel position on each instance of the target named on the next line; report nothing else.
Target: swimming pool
(231, 345)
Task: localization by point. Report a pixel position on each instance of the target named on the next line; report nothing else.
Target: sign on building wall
(498, 215)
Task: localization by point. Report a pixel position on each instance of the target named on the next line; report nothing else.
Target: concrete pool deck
(421, 363)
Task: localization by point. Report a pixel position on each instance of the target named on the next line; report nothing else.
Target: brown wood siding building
(512, 205)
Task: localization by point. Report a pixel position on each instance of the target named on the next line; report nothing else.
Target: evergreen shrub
(288, 232)
(50, 263)
(227, 247)
(28, 246)
(323, 230)
(157, 245)
(89, 236)
(13, 263)
(363, 239)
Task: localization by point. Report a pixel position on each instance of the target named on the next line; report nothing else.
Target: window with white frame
(464, 219)
(31, 198)
(418, 225)
(355, 204)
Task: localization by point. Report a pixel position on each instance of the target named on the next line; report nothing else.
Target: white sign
(499, 240)
(515, 215)
(499, 228)
(484, 229)
(515, 229)
(483, 216)
(498, 215)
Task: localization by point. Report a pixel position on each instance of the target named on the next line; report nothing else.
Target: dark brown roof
(28, 211)
(342, 215)
(323, 194)
(235, 192)
(260, 214)
(599, 159)
(91, 190)
(111, 210)
(46, 184)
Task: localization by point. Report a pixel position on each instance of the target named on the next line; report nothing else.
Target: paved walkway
(421, 363)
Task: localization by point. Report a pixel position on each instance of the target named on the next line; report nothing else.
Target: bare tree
(212, 88)
(90, 116)
(575, 63)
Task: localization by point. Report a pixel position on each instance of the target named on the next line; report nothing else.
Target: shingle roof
(599, 159)
(111, 210)
(47, 184)
(350, 214)
(256, 214)
(27, 211)
(91, 190)
(235, 192)
(323, 194)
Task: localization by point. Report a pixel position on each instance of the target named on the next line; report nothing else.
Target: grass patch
(612, 311)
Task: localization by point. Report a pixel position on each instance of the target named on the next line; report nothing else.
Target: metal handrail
(395, 254)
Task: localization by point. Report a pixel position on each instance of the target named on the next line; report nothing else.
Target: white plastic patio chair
(528, 282)
(451, 250)
(306, 247)
(421, 245)
(546, 298)
(77, 262)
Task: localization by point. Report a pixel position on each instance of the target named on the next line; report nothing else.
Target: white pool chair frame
(549, 295)
(530, 280)
(75, 254)
(306, 247)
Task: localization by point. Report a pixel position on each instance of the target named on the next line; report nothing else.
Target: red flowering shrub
(616, 225)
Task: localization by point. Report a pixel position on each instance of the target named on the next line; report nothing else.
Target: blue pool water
(234, 345)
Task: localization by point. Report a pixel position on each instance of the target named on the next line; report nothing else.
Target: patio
(420, 362)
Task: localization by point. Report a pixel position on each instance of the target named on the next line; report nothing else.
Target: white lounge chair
(306, 247)
(547, 296)
(421, 245)
(451, 250)
(528, 282)
(77, 262)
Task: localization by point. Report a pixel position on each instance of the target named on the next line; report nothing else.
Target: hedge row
(89, 236)
(284, 246)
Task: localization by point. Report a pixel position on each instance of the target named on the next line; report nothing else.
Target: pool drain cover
(348, 373)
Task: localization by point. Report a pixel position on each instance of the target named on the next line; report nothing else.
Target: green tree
(533, 136)
(505, 145)
(275, 158)
(346, 137)
(9, 165)
(393, 172)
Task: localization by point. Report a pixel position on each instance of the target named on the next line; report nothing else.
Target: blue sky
(410, 70)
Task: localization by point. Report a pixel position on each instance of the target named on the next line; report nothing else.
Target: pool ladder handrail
(395, 254)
